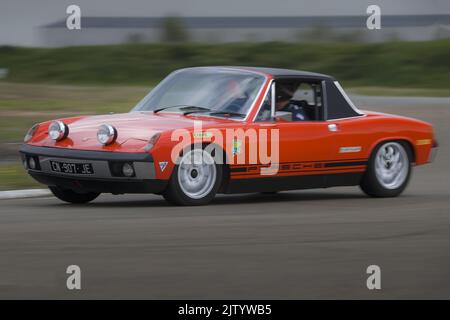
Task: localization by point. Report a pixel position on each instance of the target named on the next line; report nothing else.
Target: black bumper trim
(345, 164)
(114, 186)
(84, 154)
(297, 182)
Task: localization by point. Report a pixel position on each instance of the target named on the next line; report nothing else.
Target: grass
(22, 105)
(409, 92)
(400, 64)
(69, 98)
(13, 176)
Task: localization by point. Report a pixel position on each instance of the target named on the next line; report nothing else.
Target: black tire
(174, 193)
(71, 196)
(371, 184)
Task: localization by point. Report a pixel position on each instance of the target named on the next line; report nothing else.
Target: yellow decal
(237, 146)
(423, 142)
(200, 135)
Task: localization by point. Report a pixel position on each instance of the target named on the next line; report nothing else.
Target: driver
(234, 98)
(285, 92)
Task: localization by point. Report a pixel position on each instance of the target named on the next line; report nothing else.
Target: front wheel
(195, 180)
(71, 196)
(388, 170)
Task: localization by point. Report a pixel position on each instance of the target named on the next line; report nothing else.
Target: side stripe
(307, 162)
(299, 173)
(346, 164)
(298, 166)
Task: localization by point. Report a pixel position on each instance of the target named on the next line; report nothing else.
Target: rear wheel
(195, 180)
(388, 170)
(71, 196)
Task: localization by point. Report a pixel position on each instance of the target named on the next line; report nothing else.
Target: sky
(20, 19)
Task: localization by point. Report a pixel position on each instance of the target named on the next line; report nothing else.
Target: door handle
(332, 127)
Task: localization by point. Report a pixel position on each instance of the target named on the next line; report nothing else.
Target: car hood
(134, 129)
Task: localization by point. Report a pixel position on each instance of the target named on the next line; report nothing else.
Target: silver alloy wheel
(391, 165)
(197, 173)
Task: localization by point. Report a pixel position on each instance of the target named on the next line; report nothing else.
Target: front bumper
(105, 177)
(433, 151)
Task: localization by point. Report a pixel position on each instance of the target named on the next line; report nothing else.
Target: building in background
(114, 30)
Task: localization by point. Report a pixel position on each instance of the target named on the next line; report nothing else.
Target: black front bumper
(100, 185)
(105, 181)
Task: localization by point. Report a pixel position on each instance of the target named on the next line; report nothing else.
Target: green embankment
(402, 64)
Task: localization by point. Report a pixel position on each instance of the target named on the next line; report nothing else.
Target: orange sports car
(210, 130)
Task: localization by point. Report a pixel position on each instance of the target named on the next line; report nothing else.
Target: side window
(305, 92)
(296, 100)
(309, 96)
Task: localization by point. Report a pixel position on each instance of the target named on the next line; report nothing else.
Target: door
(305, 147)
(304, 139)
(351, 143)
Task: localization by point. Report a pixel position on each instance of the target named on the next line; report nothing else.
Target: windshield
(215, 92)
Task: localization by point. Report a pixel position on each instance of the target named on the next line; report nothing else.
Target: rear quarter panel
(373, 128)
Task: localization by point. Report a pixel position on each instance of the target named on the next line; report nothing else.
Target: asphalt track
(305, 244)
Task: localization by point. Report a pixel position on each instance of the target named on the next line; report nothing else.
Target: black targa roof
(278, 72)
(338, 104)
(275, 72)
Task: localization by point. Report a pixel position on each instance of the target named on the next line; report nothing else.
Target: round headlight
(31, 163)
(58, 130)
(106, 134)
(30, 133)
(151, 143)
(127, 169)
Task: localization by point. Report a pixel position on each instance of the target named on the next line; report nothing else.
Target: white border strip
(26, 193)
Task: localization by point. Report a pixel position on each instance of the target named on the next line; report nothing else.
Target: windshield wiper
(227, 113)
(196, 109)
(183, 107)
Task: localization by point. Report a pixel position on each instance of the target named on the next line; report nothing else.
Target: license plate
(72, 168)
